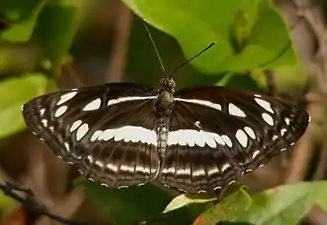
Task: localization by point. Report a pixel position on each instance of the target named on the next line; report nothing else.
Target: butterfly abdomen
(162, 130)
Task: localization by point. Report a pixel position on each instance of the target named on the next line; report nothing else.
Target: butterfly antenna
(155, 47)
(189, 60)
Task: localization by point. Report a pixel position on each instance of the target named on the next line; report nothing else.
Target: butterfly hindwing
(96, 130)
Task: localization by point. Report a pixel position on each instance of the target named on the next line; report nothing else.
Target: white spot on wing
(287, 121)
(283, 131)
(224, 167)
(197, 124)
(127, 168)
(66, 97)
(82, 130)
(42, 112)
(231, 182)
(93, 105)
(75, 125)
(227, 140)
(191, 138)
(267, 118)
(90, 159)
(122, 187)
(213, 170)
(183, 171)
(200, 102)
(241, 137)
(67, 146)
(130, 98)
(255, 154)
(216, 188)
(130, 134)
(250, 132)
(61, 110)
(44, 122)
(198, 172)
(99, 163)
(235, 111)
(112, 167)
(218, 139)
(96, 135)
(170, 170)
(264, 104)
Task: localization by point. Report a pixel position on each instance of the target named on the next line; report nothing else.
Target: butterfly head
(167, 84)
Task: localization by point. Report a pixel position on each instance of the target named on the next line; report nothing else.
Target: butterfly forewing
(106, 131)
(217, 134)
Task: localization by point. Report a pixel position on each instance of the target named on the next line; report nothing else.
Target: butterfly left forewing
(93, 128)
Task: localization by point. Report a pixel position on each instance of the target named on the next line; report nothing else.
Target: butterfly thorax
(164, 101)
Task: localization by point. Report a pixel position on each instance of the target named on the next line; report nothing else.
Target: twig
(271, 82)
(72, 73)
(321, 167)
(9, 188)
(68, 207)
(117, 61)
(12, 186)
(303, 151)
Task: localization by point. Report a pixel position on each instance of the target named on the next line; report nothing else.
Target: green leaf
(144, 203)
(188, 199)
(228, 208)
(321, 194)
(285, 204)
(23, 30)
(235, 223)
(56, 29)
(29, 86)
(268, 44)
(196, 24)
(291, 77)
(17, 10)
(7, 204)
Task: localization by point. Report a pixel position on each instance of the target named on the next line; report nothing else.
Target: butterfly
(197, 139)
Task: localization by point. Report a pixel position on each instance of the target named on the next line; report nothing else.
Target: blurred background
(109, 43)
